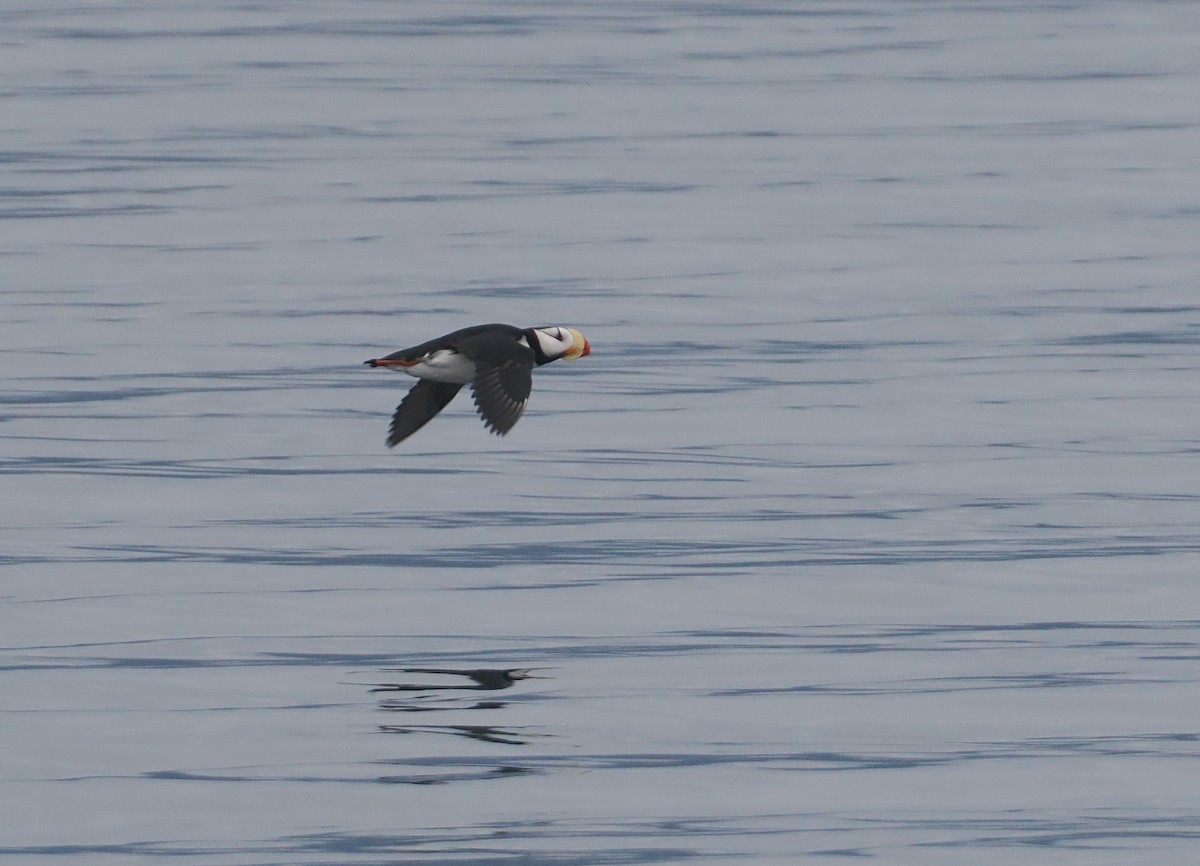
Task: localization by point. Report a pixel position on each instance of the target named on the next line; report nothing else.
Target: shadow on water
(483, 733)
(425, 697)
(506, 771)
(482, 679)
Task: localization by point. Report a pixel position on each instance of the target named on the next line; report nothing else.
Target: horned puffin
(496, 360)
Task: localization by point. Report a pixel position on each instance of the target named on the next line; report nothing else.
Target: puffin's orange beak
(580, 347)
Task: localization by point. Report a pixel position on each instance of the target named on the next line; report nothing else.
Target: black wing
(502, 391)
(425, 400)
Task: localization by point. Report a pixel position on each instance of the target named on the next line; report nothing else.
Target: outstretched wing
(502, 391)
(425, 400)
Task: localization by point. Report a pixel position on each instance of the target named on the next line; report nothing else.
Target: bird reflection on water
(485, 679)
(483, 733)
(421, 697)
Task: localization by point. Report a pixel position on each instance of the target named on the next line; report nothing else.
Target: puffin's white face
(559, 342)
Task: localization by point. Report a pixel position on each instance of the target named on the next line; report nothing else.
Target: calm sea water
(870, 529)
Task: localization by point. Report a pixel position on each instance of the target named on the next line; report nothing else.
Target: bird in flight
(497, 361)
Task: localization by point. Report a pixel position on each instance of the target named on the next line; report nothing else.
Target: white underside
(444, 366)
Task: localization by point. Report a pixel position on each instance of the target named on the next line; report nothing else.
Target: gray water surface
(869, 530)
